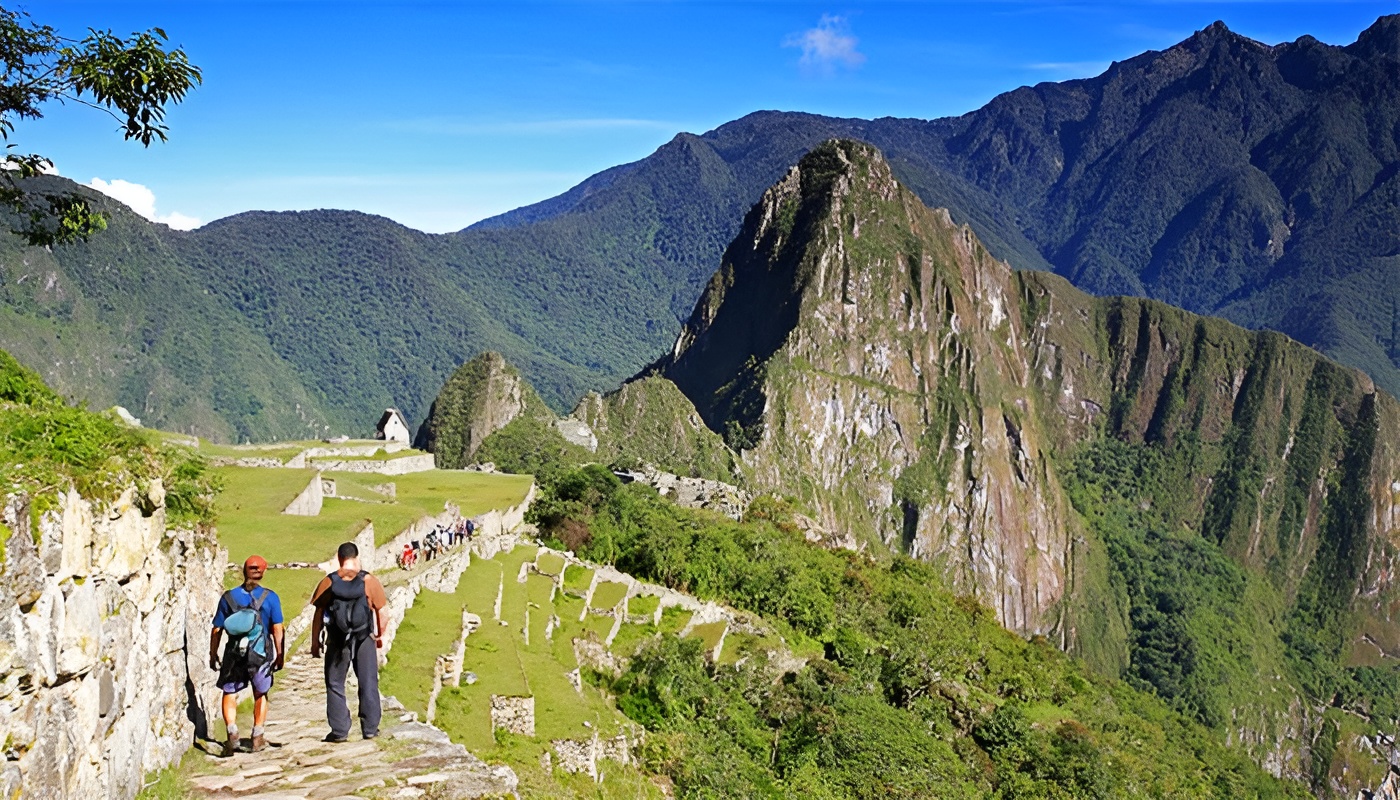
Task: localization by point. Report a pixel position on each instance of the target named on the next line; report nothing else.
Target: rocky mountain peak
(481, 397)
(1381, 40)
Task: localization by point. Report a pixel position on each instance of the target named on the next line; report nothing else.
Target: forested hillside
(1230, 177)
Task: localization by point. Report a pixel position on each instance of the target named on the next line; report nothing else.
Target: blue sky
(440, 114)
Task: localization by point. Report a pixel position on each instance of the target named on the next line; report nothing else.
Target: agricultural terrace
(515, 656)
(250, 518)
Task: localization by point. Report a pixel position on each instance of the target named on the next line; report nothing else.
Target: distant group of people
(347, 628)
(437, 542)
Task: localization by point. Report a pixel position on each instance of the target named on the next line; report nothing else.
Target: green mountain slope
(125, 320)
(1206, 511)
(1232, 178)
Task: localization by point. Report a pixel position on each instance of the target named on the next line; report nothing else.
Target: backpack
(250, 643)
(348, 615)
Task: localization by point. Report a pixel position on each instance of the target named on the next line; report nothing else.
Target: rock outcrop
(481, 397)
(104, 619)
(864, 354)
(869, 359)
(649, 421)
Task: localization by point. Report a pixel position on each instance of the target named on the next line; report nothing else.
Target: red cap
(255, 561)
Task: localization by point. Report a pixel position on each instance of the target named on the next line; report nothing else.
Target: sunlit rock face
(866, 355)
(104, 619)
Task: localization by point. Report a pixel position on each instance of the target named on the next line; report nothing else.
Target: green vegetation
(504, 663)
(643, 605)
(551, 564)
(530, 446)
(914, 691)
(1210, 636)
(131, 79)
(47, 446)
(577, 579)
(710, 634)
(648, 420)
(607, 595)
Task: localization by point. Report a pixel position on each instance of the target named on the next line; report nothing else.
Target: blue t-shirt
(271, 607)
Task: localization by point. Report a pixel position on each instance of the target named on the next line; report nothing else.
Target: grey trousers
(340, 655)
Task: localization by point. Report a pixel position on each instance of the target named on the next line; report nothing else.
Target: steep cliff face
(1199, 508)
(482, 396)
(865, 353)
(1276, 466)
(104, 614)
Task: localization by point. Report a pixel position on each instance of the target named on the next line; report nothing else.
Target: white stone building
(392, 428)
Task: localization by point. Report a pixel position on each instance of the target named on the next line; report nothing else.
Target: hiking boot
(259, 743)
(335, 739)
(230, 746)
(369, 736)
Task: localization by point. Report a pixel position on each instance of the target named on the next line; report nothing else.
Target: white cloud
(143, 201)
(827, 46)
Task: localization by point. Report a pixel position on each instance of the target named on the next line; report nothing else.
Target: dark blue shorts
(262, 682)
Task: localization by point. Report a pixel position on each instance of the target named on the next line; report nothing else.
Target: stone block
(513, 714)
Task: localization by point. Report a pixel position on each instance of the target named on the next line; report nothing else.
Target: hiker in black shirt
(350, 609)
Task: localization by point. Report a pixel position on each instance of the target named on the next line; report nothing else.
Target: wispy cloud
(1073, 68)
(143, 201)
(541, 127)
(827, 46)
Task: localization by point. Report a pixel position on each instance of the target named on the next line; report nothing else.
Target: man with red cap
(251, 615)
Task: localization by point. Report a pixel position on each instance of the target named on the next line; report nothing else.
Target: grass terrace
(577, 579)
(512, 656)
(607, 595)
(251, 518)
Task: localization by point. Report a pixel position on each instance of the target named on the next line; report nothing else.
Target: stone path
(408, 760)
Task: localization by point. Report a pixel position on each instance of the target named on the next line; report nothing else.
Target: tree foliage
(131, 78)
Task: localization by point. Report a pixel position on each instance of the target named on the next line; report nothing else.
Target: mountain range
(1205, 512)
(1226, 176)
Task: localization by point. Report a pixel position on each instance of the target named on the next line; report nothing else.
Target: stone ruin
(513, 714)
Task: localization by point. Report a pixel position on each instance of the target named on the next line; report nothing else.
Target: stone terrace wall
(493, 531)
(308, 503)
(388, 466)
(104, 625)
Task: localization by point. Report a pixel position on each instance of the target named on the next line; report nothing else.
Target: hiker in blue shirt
(251, 616)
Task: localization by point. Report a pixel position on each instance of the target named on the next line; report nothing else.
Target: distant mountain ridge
(1234, 178)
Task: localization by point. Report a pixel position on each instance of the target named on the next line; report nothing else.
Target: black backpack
(348, 614)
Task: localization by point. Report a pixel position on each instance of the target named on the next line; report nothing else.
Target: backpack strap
(258, 601)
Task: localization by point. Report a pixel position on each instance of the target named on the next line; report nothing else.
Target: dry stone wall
(104, 619)
(718, 496)
(389, 466)
(513, 714)
(308, 503)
